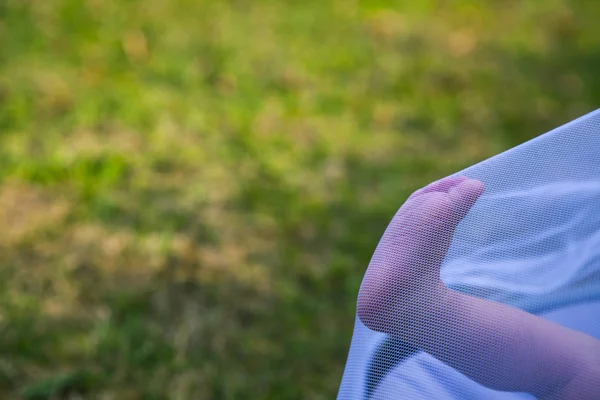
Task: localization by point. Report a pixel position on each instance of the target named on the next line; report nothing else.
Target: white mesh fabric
(486, 284)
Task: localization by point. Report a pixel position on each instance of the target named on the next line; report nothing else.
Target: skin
(499, 346)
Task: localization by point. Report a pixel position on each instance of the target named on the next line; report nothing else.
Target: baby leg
(496, 345)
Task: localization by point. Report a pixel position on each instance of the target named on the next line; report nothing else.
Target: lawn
(190, 190)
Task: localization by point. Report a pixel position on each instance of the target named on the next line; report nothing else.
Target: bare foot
(402, 284)
(496, 345)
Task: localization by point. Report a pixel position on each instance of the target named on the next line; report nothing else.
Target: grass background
(191, 189)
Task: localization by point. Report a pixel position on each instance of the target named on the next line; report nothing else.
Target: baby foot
(402, 284)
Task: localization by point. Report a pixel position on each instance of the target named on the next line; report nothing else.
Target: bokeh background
(190, 190)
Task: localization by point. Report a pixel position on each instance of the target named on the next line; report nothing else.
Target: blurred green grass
(191, 190)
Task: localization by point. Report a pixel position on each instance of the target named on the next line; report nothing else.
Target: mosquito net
(486, 284)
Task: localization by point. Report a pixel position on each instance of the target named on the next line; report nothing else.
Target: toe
(443, 185)
(464, 195)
